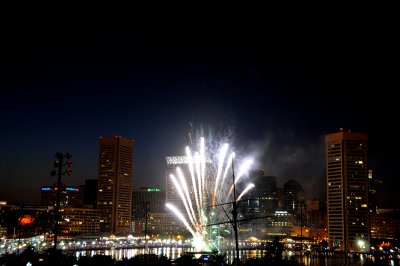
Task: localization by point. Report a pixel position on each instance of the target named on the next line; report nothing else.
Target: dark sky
(273, 90)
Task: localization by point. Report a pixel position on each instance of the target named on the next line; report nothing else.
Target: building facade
(385, 225)
(171, 193)
(294, 196)
(75, 221)
(146, 201)
(347, 190)
(114, 198)
(71, 196)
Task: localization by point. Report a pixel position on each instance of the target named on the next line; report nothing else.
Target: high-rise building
(79, 221)
(262, 198)
(181, 162)
(145, 201)
(294, 196)
(71, 196)
(347, 190)
(154, 196)
(385, 224)
(172, 195)
(315, 213)
(258, 206)
(114, 198)
(374, 184)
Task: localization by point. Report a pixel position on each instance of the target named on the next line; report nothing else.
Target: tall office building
(114, 198)
(294, 195)
(258, 206)
(71, 196)
(172, 195)
(347, 190)
(154, 197)
(145, 201)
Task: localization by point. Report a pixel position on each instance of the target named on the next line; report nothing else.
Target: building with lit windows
(347, 190)
(114, 198)
(21, 221)
(76, 221)
(69, 196)
(259, 204)
(166, 225)
(172, 195)
(146, 201)
(385, 224)
(294, 196)
(278, 223)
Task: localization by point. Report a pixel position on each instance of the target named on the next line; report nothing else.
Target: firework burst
(205, 188)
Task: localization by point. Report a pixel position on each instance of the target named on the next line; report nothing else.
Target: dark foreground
(29, 257)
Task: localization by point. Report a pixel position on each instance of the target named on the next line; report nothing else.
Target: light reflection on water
(118, 254)
(174, 253)
(170, 252)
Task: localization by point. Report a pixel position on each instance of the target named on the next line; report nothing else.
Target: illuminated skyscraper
(172, 195)
(347, 190)
(71, 196)
(294, 196)
(145, 201)
(114, 198)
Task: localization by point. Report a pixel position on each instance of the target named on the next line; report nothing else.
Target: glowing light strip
(180, 216)
(249, 186)
(186, 190)
(197, 162)
(221, 159)
(243, 168)
(190, 162)
(179, 189)
(203, 163)
(228, 164)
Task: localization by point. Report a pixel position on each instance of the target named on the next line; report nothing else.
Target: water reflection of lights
(118, 254)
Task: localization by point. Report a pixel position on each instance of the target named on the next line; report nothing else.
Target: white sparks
(249, 186)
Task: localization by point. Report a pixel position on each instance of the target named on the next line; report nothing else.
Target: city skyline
(273, 98)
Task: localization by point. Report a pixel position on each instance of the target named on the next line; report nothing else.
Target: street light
(60, 168)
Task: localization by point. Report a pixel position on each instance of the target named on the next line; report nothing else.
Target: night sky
(272, 92)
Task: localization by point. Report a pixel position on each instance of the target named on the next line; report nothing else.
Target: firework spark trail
(243, 168)
(190, 162)
(202, 157)
(203, 193)
(249, 186)
(180, 216)
(203, 164)
(228, 164)
(197, 162)
(179, 189)
(221, 159)
(185, 189)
